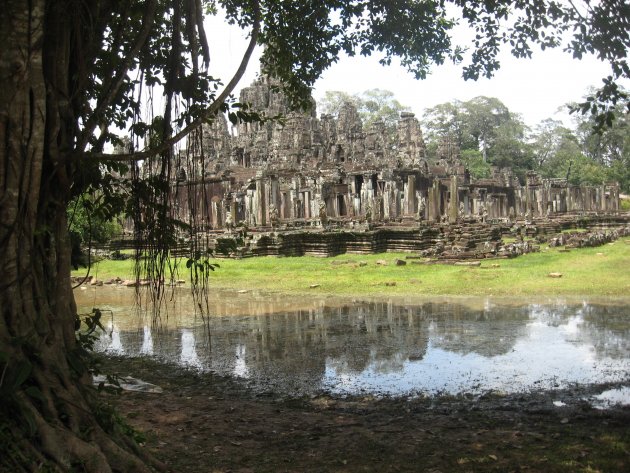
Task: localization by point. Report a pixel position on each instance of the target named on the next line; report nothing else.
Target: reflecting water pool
(394, 347)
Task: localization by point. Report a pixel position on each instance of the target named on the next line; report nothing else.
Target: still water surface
(394, 347)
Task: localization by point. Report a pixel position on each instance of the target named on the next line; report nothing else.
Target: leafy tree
(88, 224)
(510, 150)
(580, 27)
(486, 119)
(381, 105)
(445, 120)
(554, 149)
(373, 105)
(602, 29)
(586, 171)
(333, 100)
(585, 156)
(594, 156)
(74, 72)
(613, 144)
(476, 165)
(484, 125)
(608, 148)
(546, 139)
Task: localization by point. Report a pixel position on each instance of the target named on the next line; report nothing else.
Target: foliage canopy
(487, 133)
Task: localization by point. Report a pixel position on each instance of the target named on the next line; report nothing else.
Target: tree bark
(45, 406)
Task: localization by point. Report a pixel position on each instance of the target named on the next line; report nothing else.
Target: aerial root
(66, 449)
(120, 459)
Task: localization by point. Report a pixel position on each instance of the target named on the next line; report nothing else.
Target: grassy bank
(603, 271)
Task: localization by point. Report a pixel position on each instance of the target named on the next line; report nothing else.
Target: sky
(535, 88)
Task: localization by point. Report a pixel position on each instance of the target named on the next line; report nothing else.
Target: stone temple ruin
(331, 185)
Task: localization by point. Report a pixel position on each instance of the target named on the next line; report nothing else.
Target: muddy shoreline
(208, 423)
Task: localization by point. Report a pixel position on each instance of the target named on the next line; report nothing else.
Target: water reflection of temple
(605, 327)
(299, 348)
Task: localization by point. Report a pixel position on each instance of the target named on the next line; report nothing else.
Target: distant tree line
(488, 134)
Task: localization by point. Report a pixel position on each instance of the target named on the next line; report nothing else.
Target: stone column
(453, 206)
(356, 204)
(234, 212)
(260, 199)
(219, 213)
(307, 204)
(274, 192)
(615, 201)
(527, 198)
(292, 196)
(250, 214)
(283, 202)
(434, 201)
(410, 195)
(216, 222)
(386, 202)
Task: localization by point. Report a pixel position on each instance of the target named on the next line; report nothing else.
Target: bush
(87, 225)
(473, 160)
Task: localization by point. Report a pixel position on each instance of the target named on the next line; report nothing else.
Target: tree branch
(112, 89)
(577, 12)
(211, 110)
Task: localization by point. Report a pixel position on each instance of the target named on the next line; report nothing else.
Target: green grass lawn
(601, 271)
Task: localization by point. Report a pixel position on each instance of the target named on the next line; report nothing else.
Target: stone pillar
(410, 195)
(219, 213)
(234, 212)
(292, 200)
(434, 201)
(216, 221)
(250, 210)
(453, 206)
(615, 198)
(527, 198)
(602, 202)
(386, 202)
(274, 193)
(307, 204)
(260, 200)
(282, 210)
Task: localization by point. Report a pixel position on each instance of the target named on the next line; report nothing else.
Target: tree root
(62, 448)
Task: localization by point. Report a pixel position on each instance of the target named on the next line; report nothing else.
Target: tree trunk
(47, 417)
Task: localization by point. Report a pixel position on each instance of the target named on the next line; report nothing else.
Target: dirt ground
(205, 423)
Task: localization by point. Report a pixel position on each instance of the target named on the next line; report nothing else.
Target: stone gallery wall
(306, 171)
